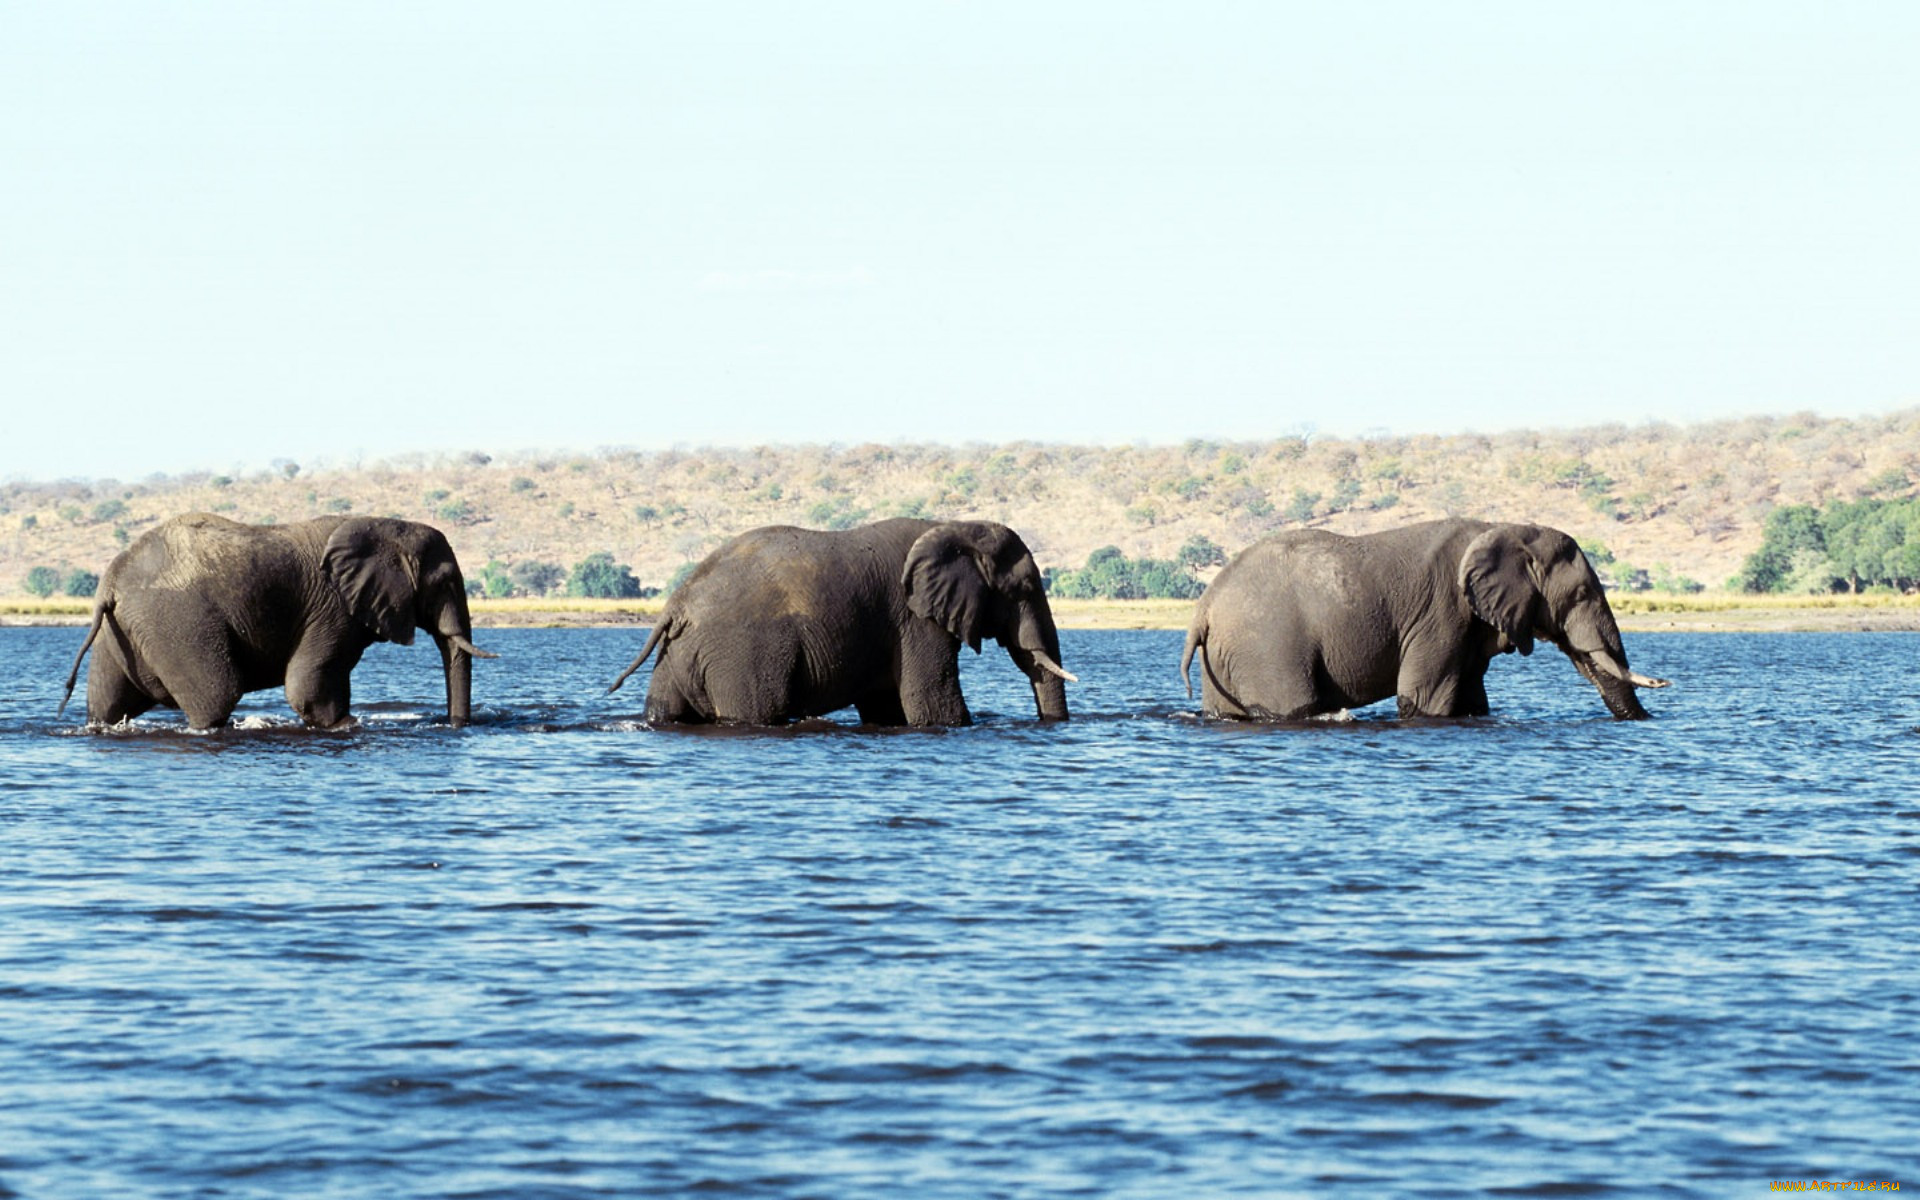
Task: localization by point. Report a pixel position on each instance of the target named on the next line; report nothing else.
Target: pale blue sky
(234, 232)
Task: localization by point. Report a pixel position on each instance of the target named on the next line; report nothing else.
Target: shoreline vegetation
(1684, 524)
(1838, 613)
(1661, 509)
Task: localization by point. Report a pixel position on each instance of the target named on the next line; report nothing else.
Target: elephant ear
(947, 583)
(375, 576)
(1500, 579)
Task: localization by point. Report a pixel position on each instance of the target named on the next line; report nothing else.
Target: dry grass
(1724, 602)
(1674, 501)
(1122, 614)
(1767, 614)
(564, 611)
(28, 606)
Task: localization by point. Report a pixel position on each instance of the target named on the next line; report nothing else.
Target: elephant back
(188, 553)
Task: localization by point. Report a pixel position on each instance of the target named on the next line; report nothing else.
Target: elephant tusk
(1053, 668)
(1608, 665)
(467, 647)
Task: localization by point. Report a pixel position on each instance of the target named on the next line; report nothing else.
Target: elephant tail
(1196, 640)
(102, 612)
(659, 635)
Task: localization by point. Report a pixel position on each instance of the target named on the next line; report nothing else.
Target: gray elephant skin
(1307, 622)
(200, 610)
(781, 623)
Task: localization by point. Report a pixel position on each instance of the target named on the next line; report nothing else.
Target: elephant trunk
(1592, 641)
(1035, 649)
(1620, 698)
(453, 635)
(459, 666)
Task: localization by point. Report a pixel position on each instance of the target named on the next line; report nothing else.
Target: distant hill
(1669, 503)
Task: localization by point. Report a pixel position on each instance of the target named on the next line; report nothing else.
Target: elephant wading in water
(1306, 623)
(783, 623)
(200, 610)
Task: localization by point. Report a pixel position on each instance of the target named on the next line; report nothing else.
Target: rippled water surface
(559, 954)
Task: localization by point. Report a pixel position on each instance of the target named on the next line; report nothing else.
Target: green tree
(914, 507)
(963, 482)
(1789, 530)
(536, 578)
(1108, 574)
(1346, 494)
(1300, 508)
(492, 581)
(598, 576)
(81, 583)
(42, 581)
(1111, 575)
(840, 512)
(1200, 552)
(1164, 579)
(1871, 543)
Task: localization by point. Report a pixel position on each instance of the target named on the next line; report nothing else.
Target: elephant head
(977, 580)
(395, 576)
(1529, 581)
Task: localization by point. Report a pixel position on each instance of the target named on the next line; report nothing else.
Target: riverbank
(1637, 613)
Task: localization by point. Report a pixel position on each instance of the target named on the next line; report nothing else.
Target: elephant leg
(320, 690)
(768, 678)
(1432, 684)
(1281, 682)
(186, 656)
(207, 694)
(669, 705)
(111, 696)
(672, 697)
(930, 690)
(1473, 692)
(751, 698)
(666, 706)
(881, 708)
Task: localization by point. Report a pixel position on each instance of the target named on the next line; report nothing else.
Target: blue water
(557, 954)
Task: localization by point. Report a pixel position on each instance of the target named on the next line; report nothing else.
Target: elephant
(781, 623)
(1307, 623)
(200, 610)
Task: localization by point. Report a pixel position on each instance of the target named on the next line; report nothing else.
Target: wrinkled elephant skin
(201, 610)
(1307, 623)
(782, 623)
